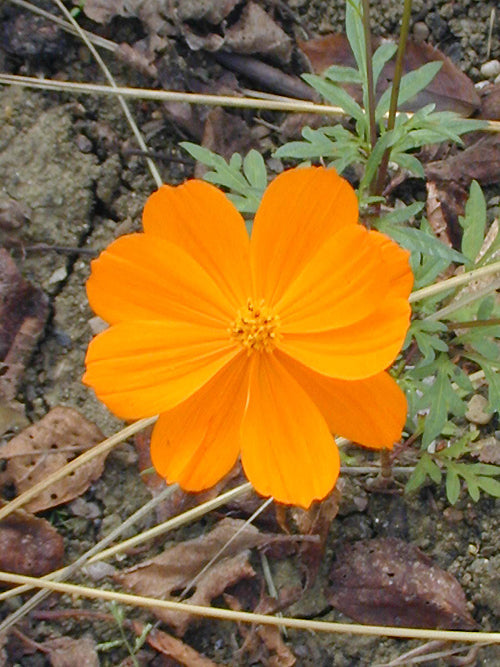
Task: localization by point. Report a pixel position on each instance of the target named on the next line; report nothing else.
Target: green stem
(470, 324)
(456, 281)
(369, 73)
(398, 73)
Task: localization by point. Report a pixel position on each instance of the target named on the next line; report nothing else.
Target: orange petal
(200, 219)
(287, 450)
(139, 369)
(142, 277)
(397, 263)
(300, 210)
(198, 442)
(342, 284)
(371, 412)
(357, 351)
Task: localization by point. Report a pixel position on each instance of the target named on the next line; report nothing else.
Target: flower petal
(200, 219)
(198, 442)
(139, 369)
(299, 211)
(397, 263)
(357, 351)
(371, 412)
(287, 450)
(142, 277)
(342, 284)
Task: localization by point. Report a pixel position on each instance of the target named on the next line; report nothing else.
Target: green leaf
(402, 214)
(408, 162)
(355, 34)
(336, 96)
(489, 485)
(420, 241)
(473, 223)
(340, 74)
(438, 409)
(411, 84)
(382, 55)
(255, 170)
(452, 485)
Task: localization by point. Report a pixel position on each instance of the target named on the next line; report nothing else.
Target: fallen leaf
(167, 574)
(480, 162)
(225, 134)
(386, 581)
(450, 89)
(213, 11)
(443, 206)
(23, 312)
(29, 545)
(41, 449)
(487, 450)
(174, 648)
(256, 32)
(490, 102)
(68, 652)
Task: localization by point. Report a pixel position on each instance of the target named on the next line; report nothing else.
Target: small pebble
(420, 31)
(97, 325)
(491, 68)
(476, 410)
(84, 144)
(58, 275)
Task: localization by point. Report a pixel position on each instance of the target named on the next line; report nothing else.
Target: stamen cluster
(256, 327)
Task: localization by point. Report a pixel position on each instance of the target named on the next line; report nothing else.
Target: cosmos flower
(256, 348)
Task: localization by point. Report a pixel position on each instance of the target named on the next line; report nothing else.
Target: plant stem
(369, 73)
(456, 281)
(398, 72)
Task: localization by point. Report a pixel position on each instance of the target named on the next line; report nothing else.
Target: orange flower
(256, 348)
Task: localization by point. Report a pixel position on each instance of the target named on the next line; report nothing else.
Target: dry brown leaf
(490, 102)
(29, 545)
(23, 312)
(256, 32)
(451, 89)
(226, 134)
(480, 161)
(174, 648)
(171, 571)
(68, 652)
(387, 581)
(443, 206)
(41, 449)
(213, 11)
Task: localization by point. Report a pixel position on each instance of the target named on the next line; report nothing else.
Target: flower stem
(369, 73)
(456, 281)
(398, 72)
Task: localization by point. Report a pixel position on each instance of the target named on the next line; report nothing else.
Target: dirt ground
(69, 160)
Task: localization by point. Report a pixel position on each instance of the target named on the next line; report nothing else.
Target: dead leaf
(23, 312)
(41, 449)
(443, 206)
(490, 102)
(68, 652)
(170, 572)
(213, 11)
(450, 90)
(174, 648)
(256, 32)
(29, 545)
(386, 581)
(480, 161)
(487, 450)
(226, 134)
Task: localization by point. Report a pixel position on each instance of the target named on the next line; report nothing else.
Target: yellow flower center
(256, 327)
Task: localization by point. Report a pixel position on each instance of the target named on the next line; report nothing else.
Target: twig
(247, 617)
